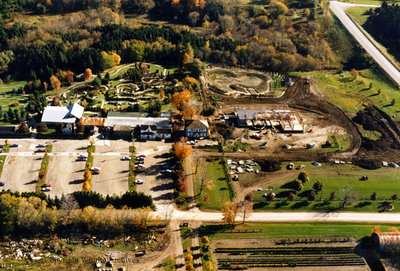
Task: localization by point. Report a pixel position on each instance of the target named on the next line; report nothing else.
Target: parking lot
(20, 173)
(113, 177)
(65, 174)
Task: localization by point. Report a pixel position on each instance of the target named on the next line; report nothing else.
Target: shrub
(271, 196)
(303, 177)
(318, 186)
(312, 196)
(332, 197)
(374, 196)
(291, 196)
(395, 197)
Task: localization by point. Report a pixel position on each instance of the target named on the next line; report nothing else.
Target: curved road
(338, 9)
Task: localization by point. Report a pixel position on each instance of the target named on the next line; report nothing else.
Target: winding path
(338, 8)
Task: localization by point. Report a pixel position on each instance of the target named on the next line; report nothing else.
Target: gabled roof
(61, 114)
(196, 124)
(57, 114)
(122, 118)
(75, 110)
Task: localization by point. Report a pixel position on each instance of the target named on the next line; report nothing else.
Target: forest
(383, 23)
(270, 36)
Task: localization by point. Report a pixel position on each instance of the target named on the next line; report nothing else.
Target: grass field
(358, 13)
(351, 94)
(219, 193)
(339, 143)
(367, 2)
(280, 230)
(384, 181)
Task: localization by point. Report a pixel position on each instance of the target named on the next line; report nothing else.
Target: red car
(41, 150)
(141, 155)
(46, 185)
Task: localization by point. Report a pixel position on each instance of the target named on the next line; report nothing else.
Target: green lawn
(11, 86)
(384, 181)
(338, 143)
(2, 161)
(281, 230)
(206, 171)
(42, 173)
(359, 13)
(366, 2)
(351, 94)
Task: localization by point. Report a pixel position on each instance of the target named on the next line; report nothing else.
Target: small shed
(386, 239)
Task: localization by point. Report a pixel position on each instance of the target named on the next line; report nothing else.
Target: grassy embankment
(281, 230)
(212, 171)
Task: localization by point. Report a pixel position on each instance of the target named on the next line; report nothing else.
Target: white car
(139, 182)
(46, 188)
(41, 145)
(316, 164)
(95, 168)
(125, 158)
(166, 171)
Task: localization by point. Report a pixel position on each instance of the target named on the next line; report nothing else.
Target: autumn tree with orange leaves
(180, 99)
(189, 112)
(181, 149)
(88, 74)
(86, 186)
(55, 83)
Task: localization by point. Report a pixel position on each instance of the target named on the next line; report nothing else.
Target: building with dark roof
(196, 129)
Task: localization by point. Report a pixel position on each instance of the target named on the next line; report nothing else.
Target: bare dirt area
(113, 177)
(20, 173)
(65, 174)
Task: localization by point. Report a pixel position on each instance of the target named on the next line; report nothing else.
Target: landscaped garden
(369, 190)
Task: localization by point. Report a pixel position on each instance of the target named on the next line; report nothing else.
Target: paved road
(196, 215)
(338, 9)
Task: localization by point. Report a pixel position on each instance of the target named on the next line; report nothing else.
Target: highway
(338, 9)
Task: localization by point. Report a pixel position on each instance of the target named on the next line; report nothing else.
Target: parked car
(95, 172)
(46, 189)
(166, 171)
(125, 158)
(316, 164)
(140, 169)
(142, 155)
(81, 158)
(290, 166)
(140, 253)
(95, 168)
(41, 146)
(15, 145)
(2, 183)
(41, 150)
(46, 185)
(139, 182)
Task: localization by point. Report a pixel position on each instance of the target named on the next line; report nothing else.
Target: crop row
(246, 266)
(290, 260)
(291, 241)
(287, 250)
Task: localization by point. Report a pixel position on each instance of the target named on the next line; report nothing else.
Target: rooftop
(196, 124)
(59, 114)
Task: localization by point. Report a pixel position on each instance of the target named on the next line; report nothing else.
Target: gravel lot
(113, 177)
(20, 173)
(65, 175)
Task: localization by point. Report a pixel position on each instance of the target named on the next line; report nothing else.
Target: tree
(189, 257)
(318, 185)
(88, 74)
(194, 17)
(87, 175)
(374, 196)
(271, 196)
(189, 112)
(209, 264)
(196, 68)
(297, 185)
(23, 128)
(182, 149)
(303, 176)
(312, 196)
(395, 197)
(185, 59)
(189, 82)
(86, 186)
(209, 185)
(42, 127)
(80, 127)
(354, 73)
(179, 99)
(393, 102)
(291, 196)
(246, 206)
(332, 197)
(55, 83)
(348, 196)
(229, 212)
(206, 198)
